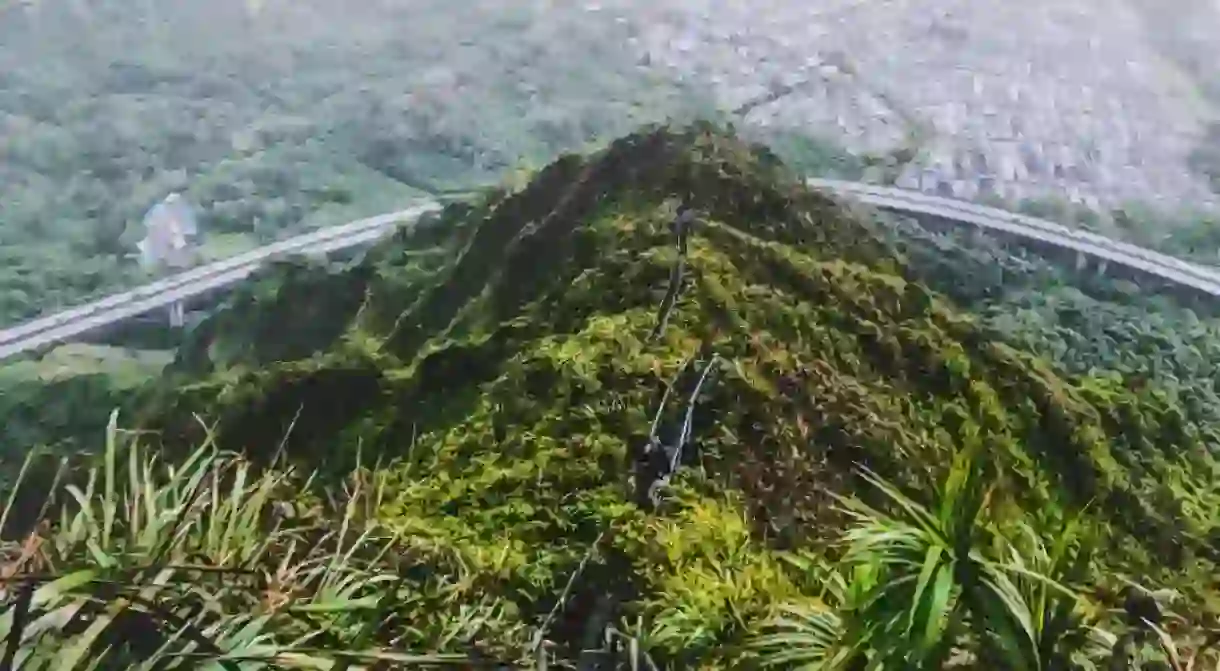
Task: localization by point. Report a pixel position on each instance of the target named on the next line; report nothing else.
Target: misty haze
(283, 116)
(608, 335)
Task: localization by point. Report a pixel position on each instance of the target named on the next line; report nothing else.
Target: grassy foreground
(661, 407)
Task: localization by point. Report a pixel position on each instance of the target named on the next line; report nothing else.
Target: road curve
(65, 325)
(1165, 267)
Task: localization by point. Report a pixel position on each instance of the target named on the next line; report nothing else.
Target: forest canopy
(275, 117)
(639, 397)
(662, 404)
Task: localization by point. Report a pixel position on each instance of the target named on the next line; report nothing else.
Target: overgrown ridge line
(602, 426)
(682, 223)
(891, 381)
(659, 461)
(659, 458)
(526, 230)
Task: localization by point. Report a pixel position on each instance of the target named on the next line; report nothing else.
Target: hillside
(505, 364)
(276, 117)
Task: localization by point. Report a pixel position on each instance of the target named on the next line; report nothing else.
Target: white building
(171, 228)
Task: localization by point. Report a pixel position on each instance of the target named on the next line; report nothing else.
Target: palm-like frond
(1044, 570)
(925, 563)
(927, 580)
(802, 637)
(171, 566)
(815, 635)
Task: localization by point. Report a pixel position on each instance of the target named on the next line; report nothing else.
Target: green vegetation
(275, 117)
(889, 449)
(48, 400)
(1193, 235)
(1184, 232)
(1080, 323)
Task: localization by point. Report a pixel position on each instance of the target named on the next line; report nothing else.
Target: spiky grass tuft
(198, 564)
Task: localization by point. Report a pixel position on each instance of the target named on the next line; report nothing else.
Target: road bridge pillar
(177, 315)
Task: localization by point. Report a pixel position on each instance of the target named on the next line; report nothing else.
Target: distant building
(171, 229)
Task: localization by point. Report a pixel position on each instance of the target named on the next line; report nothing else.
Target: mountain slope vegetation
(277, 117)
(659, 393)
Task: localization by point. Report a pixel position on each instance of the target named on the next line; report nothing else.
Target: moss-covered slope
(505, 361)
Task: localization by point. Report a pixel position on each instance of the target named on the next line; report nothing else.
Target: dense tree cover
(49, 401)
(1191, 233)
(276, 116)
(1081, 322)
(661, 405)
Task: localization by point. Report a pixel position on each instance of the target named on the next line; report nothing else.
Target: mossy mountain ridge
(505, 360)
